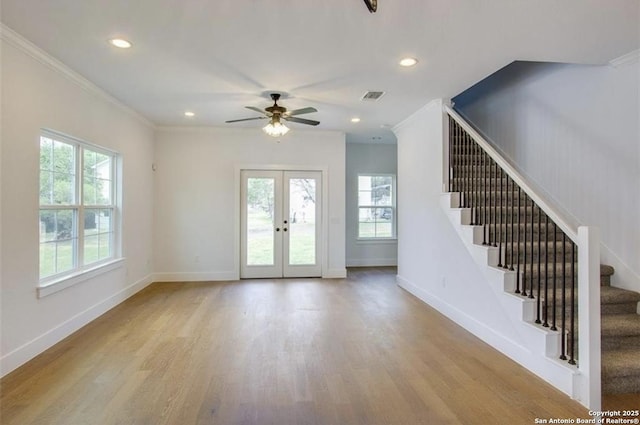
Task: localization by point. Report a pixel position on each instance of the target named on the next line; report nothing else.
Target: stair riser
(546, 234)
(478, 170)
(621, 385)
(620, 342)
(467, 183)
(541, 254)
(478, 199)
(547, 275)
(623, 308)
(524, 234)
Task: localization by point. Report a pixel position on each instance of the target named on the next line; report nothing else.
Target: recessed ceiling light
(408, 62)
(189, 114)
(120, 43)
(355, 119)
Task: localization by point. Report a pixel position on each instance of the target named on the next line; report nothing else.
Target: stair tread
(613, 295)
(621, 362)
(613, 325)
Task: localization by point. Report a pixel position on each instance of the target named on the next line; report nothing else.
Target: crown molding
(35, 52)
(625, 59)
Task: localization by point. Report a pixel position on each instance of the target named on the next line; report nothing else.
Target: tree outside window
(77, 205)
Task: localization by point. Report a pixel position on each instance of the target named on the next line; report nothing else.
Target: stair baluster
(510, 219)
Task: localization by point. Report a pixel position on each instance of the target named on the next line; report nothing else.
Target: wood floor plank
(358, 350)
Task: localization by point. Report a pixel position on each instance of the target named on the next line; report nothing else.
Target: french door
(280, 224)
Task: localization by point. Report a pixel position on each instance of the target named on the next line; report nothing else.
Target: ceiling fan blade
(301, 120)
(253, 108)
(301, 111)
(248, 119)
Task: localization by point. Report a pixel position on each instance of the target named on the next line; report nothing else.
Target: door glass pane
(302, 221)
(260, 223)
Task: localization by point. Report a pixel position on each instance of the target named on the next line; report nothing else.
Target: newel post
(589, 317)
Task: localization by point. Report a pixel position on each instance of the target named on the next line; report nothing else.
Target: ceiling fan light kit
(275, 128)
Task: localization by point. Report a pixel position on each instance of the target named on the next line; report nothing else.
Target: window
(377, 206)
(77, 206)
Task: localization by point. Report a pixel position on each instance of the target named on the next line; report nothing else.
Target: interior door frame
(237, 225)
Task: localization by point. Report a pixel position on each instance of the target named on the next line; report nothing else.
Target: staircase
(542, 257)
(527, 250)
(620, 337)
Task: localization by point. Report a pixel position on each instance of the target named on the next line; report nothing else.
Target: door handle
(285, 229)
(277, 229)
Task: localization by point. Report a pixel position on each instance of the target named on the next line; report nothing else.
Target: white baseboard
(490, 336)
(195, 276)
(372, 262)
(335, 274)
(31, 349)
(554, 372)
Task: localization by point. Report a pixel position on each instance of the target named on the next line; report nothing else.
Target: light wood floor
(300, 351)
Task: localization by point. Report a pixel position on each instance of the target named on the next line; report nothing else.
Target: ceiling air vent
(372, 95)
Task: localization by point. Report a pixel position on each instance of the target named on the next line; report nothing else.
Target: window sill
(65, 282)
(366, 241)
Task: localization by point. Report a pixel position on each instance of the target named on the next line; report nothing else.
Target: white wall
(575, 131)
(197, 195)
(364, 158)
(39, 92)
(433, 262)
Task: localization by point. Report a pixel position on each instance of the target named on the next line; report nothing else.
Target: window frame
(79, 270)
(393, 207)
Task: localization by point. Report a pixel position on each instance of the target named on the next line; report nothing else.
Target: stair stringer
(538, 349)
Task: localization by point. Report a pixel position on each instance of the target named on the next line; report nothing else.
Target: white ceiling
(214, 57)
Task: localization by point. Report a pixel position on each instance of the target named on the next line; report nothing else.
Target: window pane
(97, 184)
(375, 223)
(47, 259)
(364, 182)
(47, 225)
(63, 186)
(91, 249)
(63, 225)
(365, 198)
(366, 225)
(46, 187)
(89, 163)
(63, 158)
(98, 235)
(103, 166)
(105, 221)
(46, 152)
(91, 219)
(384, 230)
(64, 256)
(89, 191)
(105, 245)
(381, 188)
(103, 192)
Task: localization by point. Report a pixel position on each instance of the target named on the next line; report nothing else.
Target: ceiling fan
(276, 113)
